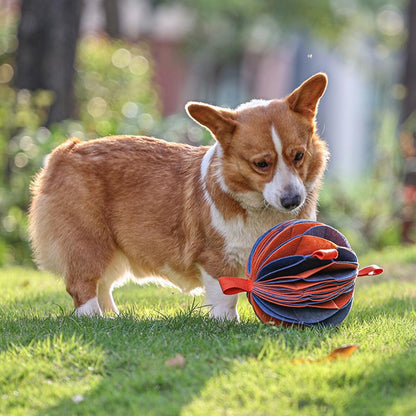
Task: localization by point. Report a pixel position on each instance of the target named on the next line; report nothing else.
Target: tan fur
(135, 204)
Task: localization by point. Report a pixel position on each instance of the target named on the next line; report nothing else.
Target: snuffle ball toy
(300, 273)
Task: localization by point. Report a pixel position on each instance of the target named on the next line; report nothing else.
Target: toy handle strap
(233, 285)
(372, 270)
(326, 254)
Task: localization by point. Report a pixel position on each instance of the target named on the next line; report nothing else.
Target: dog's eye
(298, 156)
(261, 165)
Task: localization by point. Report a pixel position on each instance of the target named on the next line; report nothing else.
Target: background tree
(409, 80)
(112, 18)
(408, 129)
(47, 35)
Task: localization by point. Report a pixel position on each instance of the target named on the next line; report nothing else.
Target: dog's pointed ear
(305, 99)
(221, 122)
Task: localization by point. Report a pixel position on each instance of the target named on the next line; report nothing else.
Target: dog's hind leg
(84, 294)
(105, 298)
(115, 272)
(86, 264)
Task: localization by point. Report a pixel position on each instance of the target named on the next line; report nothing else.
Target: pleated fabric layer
(300, 272)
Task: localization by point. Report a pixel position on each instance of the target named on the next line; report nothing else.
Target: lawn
(53, 363)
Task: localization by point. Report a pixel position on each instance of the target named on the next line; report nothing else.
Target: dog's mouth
(255, 201)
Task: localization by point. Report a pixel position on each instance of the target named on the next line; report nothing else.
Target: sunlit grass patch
(54, 363)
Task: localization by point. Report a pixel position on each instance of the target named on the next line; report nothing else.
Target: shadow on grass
(135, 378)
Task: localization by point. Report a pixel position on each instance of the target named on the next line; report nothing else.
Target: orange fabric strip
(233, 285)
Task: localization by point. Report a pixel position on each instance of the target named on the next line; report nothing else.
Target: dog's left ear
(220, 121)
(305, 99)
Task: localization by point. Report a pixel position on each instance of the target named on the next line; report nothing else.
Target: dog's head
(271, 153)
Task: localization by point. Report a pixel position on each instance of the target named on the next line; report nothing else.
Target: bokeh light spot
(121, 58)
(390, 21)
(6, 73)
(130, 109)
(21, 160)
(26, 143)
(43, 134)
(139, 65)
(9, 223)
(146, 121)
(97, 107)
(398, 91)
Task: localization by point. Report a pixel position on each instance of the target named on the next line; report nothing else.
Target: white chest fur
(241, 233)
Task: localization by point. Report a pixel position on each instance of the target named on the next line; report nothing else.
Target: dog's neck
(215, 188)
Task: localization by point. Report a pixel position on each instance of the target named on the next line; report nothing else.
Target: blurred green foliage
(367, 210)
(113, 89)
(114, 95)
(226, 27)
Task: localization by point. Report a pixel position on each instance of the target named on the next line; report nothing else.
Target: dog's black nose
(290, 202)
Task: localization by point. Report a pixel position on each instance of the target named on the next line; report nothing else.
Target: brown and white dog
(126, 205)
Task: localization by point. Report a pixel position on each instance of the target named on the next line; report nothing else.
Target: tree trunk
(408, 131)
(409, 103)
(112, 18)
(47, 35)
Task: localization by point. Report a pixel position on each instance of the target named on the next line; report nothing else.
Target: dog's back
(94, 199)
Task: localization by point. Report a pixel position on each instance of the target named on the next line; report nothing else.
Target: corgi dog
(136, 206)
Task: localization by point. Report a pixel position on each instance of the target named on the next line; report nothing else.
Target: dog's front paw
(224, 312)
(91, 308)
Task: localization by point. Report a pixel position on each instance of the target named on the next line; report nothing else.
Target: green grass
(52, 363)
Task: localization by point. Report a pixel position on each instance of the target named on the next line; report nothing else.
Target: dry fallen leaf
(342, 352)
(302, 360)
(177, 361)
